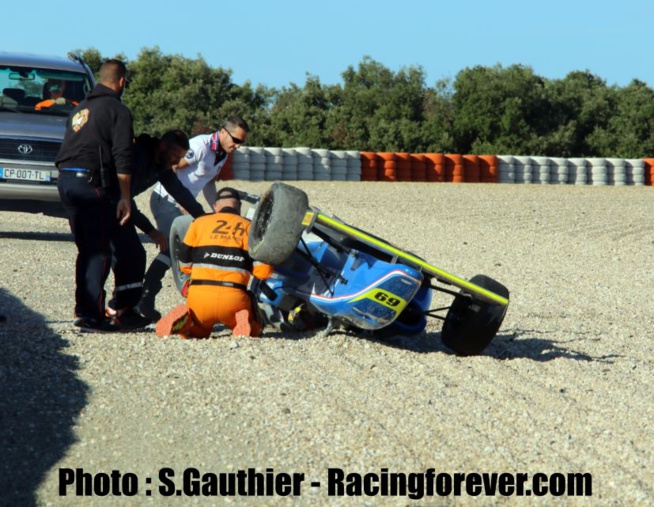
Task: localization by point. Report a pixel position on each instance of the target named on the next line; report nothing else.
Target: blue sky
(278, 42)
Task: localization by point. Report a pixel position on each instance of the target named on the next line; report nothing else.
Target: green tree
(299, 115)
(437, 126)
(381, 110)
(630, 129)
(170, 91)
(580, 108)
(498, 110)
(94, 59)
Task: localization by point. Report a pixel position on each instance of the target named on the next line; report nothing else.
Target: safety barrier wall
(271, 164)
(302, 163)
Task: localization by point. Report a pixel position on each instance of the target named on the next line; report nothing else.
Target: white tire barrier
(505, 169)
(577, 171)
(540, 170)
(523, 169)
(338, 165)
(635, 172)
(241, 164)
(598, 174)
(616, 172)
(304, 163)
(289, 164)
(353, 165)
(559, 170)
(321, 165)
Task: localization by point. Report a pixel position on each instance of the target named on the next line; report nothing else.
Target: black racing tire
(177, 232)
(277, 223)
(471, 324)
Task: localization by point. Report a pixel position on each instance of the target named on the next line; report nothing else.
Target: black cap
(228, 193)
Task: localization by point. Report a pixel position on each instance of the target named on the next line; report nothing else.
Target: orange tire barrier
(418, 167)
(435, 167)
(454, 168)
(488, 172)
(471, 168)
(439, 167)
(368, 166)
(649, 171)
(386, 166)
(403, 166)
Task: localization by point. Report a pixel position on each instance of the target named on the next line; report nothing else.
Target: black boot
(151, 287)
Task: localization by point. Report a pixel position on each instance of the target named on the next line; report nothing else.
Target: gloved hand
(61, 101)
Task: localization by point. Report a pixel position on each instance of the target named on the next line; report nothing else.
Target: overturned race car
(329, 275)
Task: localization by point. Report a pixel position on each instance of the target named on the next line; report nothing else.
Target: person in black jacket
(153, 162)
(95, 168)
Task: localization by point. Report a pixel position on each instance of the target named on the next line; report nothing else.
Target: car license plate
(10, 173)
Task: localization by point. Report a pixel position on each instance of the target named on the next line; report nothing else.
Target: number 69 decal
(382, 297)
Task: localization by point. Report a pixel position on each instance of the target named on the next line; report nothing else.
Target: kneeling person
(215, 254)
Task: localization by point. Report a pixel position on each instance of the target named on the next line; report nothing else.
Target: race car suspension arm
(322, 271)
(432, 313)
(447, 291)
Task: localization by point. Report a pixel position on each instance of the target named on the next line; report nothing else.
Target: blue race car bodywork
(351, 286)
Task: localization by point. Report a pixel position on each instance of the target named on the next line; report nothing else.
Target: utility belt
(75, 171)
(95, 177)
(220, 284)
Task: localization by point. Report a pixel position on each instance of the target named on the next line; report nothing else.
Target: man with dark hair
(197, 171)
(215, 254)
(95, 169)
(153, 162)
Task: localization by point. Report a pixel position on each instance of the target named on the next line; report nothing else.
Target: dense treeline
(489, 110)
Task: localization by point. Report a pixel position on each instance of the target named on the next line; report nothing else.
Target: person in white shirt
(197, 171)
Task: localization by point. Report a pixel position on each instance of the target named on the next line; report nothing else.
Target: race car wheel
(177, 233)
(277, 223)
(471, 324)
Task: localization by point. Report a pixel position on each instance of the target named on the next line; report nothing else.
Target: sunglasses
(235, 140)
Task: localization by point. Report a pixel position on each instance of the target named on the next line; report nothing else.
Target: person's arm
(183, 164)
(180, 193)
(141, 222)
(122, 136)
(124, 207)
(262, 271)
(209, 192)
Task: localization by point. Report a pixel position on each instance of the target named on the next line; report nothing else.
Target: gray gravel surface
(564, 387)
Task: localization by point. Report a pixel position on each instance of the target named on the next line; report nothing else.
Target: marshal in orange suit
(215, 254)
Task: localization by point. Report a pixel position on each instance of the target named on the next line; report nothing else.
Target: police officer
(95, 166)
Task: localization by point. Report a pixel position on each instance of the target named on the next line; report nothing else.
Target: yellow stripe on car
(433, 270)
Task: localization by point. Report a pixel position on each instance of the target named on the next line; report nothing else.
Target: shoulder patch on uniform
(190, 154)
(79, 120)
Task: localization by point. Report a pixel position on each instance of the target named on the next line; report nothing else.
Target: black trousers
(100, 238)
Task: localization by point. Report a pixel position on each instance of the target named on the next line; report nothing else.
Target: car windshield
(41, 91)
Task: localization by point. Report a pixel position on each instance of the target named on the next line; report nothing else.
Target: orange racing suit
(215, 254)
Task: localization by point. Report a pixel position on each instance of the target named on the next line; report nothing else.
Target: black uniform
(97, 146)
(147, 172)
